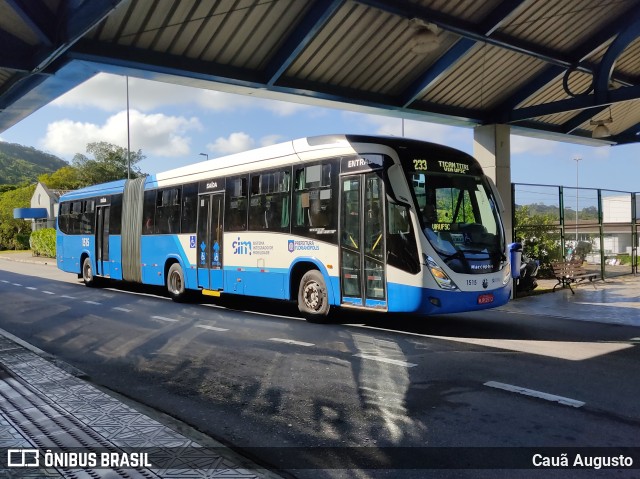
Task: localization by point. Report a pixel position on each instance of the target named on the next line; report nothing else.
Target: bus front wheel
(313, 301)
(87, 273)
(175, 283)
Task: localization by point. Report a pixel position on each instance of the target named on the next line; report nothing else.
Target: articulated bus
(383, 224)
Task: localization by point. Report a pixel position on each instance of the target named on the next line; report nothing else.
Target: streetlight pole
(577, 160)
(205, 155)
(128, 135)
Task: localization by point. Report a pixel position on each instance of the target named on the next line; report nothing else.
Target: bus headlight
(507, 274)
(439, 275)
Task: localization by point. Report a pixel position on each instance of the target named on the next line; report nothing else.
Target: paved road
(255, 379)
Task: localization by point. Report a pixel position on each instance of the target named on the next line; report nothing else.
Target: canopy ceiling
(546, 67)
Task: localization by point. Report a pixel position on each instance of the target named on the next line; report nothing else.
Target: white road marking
(47, 292)
(67, 296)
(124, 310)
(536, 394)
(92, 302)
(291, 341)
(4, 280)
(32, 288)
(16, 284)
(397, 362)
(162, 318)
(210, 328)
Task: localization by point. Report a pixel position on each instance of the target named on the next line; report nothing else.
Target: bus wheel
(175, 283)
(313, 301)
(87, 273)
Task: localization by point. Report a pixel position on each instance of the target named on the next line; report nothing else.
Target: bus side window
(74, 217)
(189, 208)
(149, 212)
(236, 204)
(314, 200)
(269, 201)
(63, 217)
(168, 211)
(88, 217)
(115, 215)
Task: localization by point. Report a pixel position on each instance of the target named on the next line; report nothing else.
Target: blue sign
(216, 254)
(192, 241)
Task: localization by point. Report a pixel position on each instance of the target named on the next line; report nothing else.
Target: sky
(177, 125)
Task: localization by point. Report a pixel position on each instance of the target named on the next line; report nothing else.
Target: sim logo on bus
(241, 247)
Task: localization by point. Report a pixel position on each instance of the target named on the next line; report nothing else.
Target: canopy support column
(492, 148)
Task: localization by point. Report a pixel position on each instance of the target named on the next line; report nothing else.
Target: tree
(109, 163)
(14, 234)
(66, 178)
(539, 234)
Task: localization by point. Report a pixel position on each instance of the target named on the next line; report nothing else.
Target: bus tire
(175, 283)
(87, 273)
(313, 300)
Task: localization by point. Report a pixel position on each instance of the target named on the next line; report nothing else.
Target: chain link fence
(594, 226)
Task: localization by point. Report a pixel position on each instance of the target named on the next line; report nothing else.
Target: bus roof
(95, 190)
(300, 149)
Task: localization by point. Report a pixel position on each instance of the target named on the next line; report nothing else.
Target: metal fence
(597, 227)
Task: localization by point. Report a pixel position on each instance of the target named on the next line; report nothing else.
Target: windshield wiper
(457, 255)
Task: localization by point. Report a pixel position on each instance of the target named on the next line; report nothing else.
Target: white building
(48, 199)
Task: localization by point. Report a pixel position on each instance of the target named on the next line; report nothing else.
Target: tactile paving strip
(45, 407)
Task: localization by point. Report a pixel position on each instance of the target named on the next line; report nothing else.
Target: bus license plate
(485, 298)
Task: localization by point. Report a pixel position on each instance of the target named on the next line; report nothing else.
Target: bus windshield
(459, 217)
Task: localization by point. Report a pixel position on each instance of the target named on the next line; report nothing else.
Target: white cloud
(271, 140)
(283, 108)
(220, 101)
(109, 93)
(421, 130)
(235, 143)
(155, 134)
(532, 146)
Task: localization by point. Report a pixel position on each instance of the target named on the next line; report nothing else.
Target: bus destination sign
(421, 164)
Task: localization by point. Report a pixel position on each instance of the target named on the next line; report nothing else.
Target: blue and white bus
(383, 224)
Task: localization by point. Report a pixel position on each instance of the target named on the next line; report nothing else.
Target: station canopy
(565, 70)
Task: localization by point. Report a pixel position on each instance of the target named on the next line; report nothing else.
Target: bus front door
(209, 238)
(102, 241)
(362, 244)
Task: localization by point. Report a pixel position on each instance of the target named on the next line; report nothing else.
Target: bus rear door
(209, 238)
(362, 242)
(102, 241)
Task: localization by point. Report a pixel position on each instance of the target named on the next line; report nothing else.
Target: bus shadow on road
(487, 324)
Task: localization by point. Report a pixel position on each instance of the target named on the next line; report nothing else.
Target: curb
(50, 262)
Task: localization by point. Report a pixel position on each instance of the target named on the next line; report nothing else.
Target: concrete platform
(47, 405)
(615, 300)
(50, 417)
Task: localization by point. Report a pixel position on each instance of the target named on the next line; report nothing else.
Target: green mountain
(22, 163)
